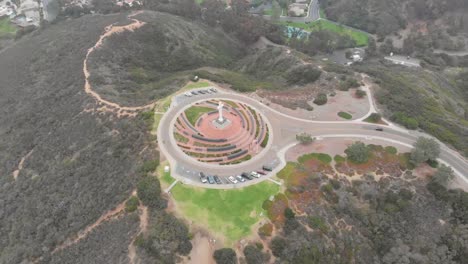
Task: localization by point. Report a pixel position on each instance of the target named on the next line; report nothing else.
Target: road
(403, 60)
(283, 130)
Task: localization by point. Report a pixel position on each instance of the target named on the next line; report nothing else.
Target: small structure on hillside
(298, 9)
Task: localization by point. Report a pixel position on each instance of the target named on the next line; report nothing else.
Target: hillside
(66, 161)
(135, 68)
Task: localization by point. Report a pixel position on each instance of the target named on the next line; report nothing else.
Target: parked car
(232, 179)
(240, 178)
(213, 90)
(194, 93)
(202, 92)
(379, 129)
(255, 174)
(267, 168)
(246, 176)
(217, 180)
(188, 94)
(211, 179)
(261, 172)
(202, 177)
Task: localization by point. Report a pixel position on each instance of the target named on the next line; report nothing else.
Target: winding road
(282, 137)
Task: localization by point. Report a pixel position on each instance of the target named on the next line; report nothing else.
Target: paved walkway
(282, 136)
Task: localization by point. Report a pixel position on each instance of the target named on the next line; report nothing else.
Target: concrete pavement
(283, 130)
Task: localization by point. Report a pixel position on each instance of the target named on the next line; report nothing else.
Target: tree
(358, 152)
(371, 49)
(225, 256)
(289, 213)
(278, 244)
(425, 149)
(253, 255)
(149, 191)
(213, 11)
(304, 138)
(276, 9)
(443, 175)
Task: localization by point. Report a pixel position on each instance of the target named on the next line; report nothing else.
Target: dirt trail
(143, 227)
(109, 106)
(82, 234)
(21, 164)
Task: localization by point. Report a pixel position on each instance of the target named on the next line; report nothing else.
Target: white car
(188, 94)
(232, 179)
(255, 174)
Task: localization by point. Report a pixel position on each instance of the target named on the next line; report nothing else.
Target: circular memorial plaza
(221, 132)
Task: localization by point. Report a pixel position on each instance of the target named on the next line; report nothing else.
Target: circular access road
(283, 131)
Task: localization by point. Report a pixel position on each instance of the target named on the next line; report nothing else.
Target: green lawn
(361, 38)
(230, 213)
(197, 85)
(194, 112)
(345, 115)
(6, 28)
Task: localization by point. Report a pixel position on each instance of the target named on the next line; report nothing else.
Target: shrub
(132, 204)
(266, 229)
(321, 99)
(316, 222)
(304, 138)
(289, 213)
(150, 166)
(303, 75)
(405, 120)
(391, 150)
(149, 191)
(374, 118)
(358, 152)
(360, 93)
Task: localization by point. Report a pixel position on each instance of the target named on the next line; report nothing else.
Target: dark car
(267, 168)
(211, 179)
(247, 176)
(379, 129)
(261, 172)
(202, 92)
(217, 180)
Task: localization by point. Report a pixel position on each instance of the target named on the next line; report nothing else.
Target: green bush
(391, 150)
(321, 99)
(303, 75)
(360, 93)
(149, 191)
(132, 204)
(316, 222)
(149, 166)
(405, 120)
(345, 115)
(374, 118)
(358, 152)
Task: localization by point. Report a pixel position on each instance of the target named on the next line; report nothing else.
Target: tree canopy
(425, 149)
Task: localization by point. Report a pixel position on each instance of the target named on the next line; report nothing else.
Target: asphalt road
(283, 130)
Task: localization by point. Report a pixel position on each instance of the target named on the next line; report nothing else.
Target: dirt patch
(202, 251)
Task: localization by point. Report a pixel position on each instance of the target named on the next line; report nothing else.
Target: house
(298, 9)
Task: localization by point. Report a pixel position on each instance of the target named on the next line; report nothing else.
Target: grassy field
(6, 28)
(361, 38)
(194, 112)
(230, 213)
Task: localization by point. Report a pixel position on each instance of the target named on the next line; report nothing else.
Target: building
(298, 9)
